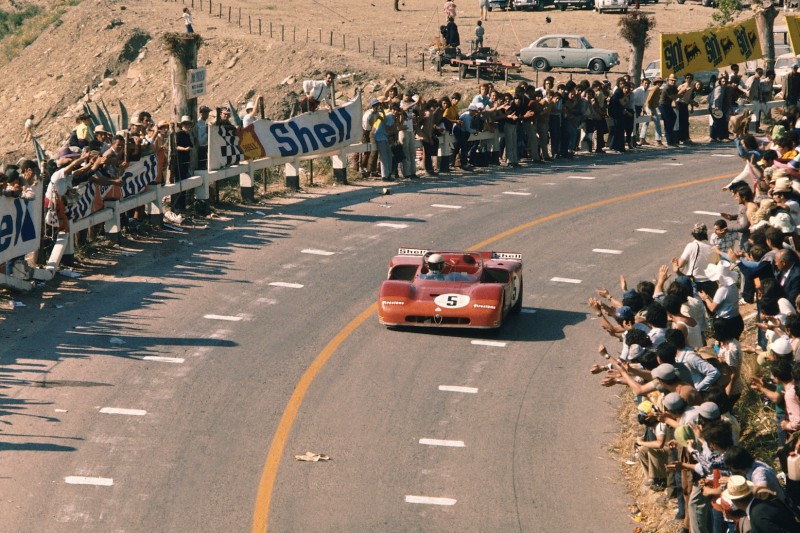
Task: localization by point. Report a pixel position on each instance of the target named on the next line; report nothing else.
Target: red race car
(450, 289)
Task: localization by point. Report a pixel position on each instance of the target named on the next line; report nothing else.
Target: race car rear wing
(506, 255)
(494, 255)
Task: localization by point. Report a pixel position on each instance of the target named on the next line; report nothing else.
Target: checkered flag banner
(223, 149)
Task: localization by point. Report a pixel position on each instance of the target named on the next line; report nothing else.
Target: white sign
(197, 82)
(20, 225)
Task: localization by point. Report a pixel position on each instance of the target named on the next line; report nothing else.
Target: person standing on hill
(484, 5)
(187, 20)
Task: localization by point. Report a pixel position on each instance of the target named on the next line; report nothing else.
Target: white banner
(316, 132)
(20, 225)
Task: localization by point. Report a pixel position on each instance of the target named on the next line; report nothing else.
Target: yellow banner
(793, 28)
(682, 53)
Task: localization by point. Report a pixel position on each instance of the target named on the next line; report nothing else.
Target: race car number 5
(452, 301)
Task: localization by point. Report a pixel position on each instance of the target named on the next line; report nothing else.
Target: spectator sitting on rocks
(79, 136)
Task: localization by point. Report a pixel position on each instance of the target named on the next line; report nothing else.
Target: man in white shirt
(695, 258)
(317, 91)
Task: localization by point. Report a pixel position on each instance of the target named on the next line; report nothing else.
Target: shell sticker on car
(452, 301)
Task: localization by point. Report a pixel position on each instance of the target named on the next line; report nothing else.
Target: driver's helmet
(436, 263)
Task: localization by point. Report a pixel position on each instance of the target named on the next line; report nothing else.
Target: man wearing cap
(696, 256)
(765, 516)
(685, 98)
(100, 141)
(669, 95)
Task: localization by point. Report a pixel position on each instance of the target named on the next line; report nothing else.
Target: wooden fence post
(229, 13)
(344, 43)
(320, 36)
(359, 44)
(307, 34)
(282, 32)
(270, 29)
(331, 39)
(406, 55)
(423, 61)
(240, 17)
(294, 33)
(249, 24)
(390, 53)
(373, 48)
(259, 27)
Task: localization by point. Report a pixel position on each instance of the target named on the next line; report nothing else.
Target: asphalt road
(196, 353)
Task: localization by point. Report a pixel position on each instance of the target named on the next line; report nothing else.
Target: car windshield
(653, 65)
(462, 268)
(585, 43)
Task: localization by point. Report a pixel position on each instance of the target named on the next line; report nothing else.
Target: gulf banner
(135, 179)
(793, 29)
(683, 53)
(319, 131)
(20, 224)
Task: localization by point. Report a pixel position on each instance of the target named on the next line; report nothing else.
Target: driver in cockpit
(435, 268)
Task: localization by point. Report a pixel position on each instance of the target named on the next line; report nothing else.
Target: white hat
(781, 346)
(720, 272)
(249, 105)
(186, 119)
(782, 221)
(475, 107)
(738, 487)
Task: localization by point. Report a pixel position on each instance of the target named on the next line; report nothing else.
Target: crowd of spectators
(678, 346)
(559, 120)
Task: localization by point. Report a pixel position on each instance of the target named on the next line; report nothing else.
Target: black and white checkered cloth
(230, 152)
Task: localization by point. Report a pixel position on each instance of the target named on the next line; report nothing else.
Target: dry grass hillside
(112, 50)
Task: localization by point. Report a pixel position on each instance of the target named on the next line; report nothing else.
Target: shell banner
(319, 131)
(793, 29)
(684, 53)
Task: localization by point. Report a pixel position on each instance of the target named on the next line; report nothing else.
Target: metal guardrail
(153, 196)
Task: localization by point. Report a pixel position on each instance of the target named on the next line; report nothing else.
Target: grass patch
(18, 29)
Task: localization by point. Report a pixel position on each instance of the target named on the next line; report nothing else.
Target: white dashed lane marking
(709, 213)
(607, 251)
(456, 388)
(517, 193)
(673, 164)
(651, 230)
(316, 252)
(82, 480)
(391, 225)
(286, 285)
(446, 206)
(118, 411)
(429, 500)
(158, 359)
(439, 442)
(723, 155)
(565, 280)
(580, 177)
(496, 344)
(223, 317)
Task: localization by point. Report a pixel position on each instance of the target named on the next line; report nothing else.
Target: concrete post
(339, 163)
(292, 174)
(246, 188)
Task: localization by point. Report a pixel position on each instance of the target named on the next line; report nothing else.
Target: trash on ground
(312, 457)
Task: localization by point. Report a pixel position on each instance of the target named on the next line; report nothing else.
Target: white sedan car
(567, 51)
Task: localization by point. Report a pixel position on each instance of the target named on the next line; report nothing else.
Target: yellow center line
(276, 448)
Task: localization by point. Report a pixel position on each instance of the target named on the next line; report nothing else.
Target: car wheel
(681, 1)
(540, 63)
(562, 7)
(597, 66)
(516, 306)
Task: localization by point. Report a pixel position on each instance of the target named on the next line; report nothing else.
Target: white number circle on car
(452, 301)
